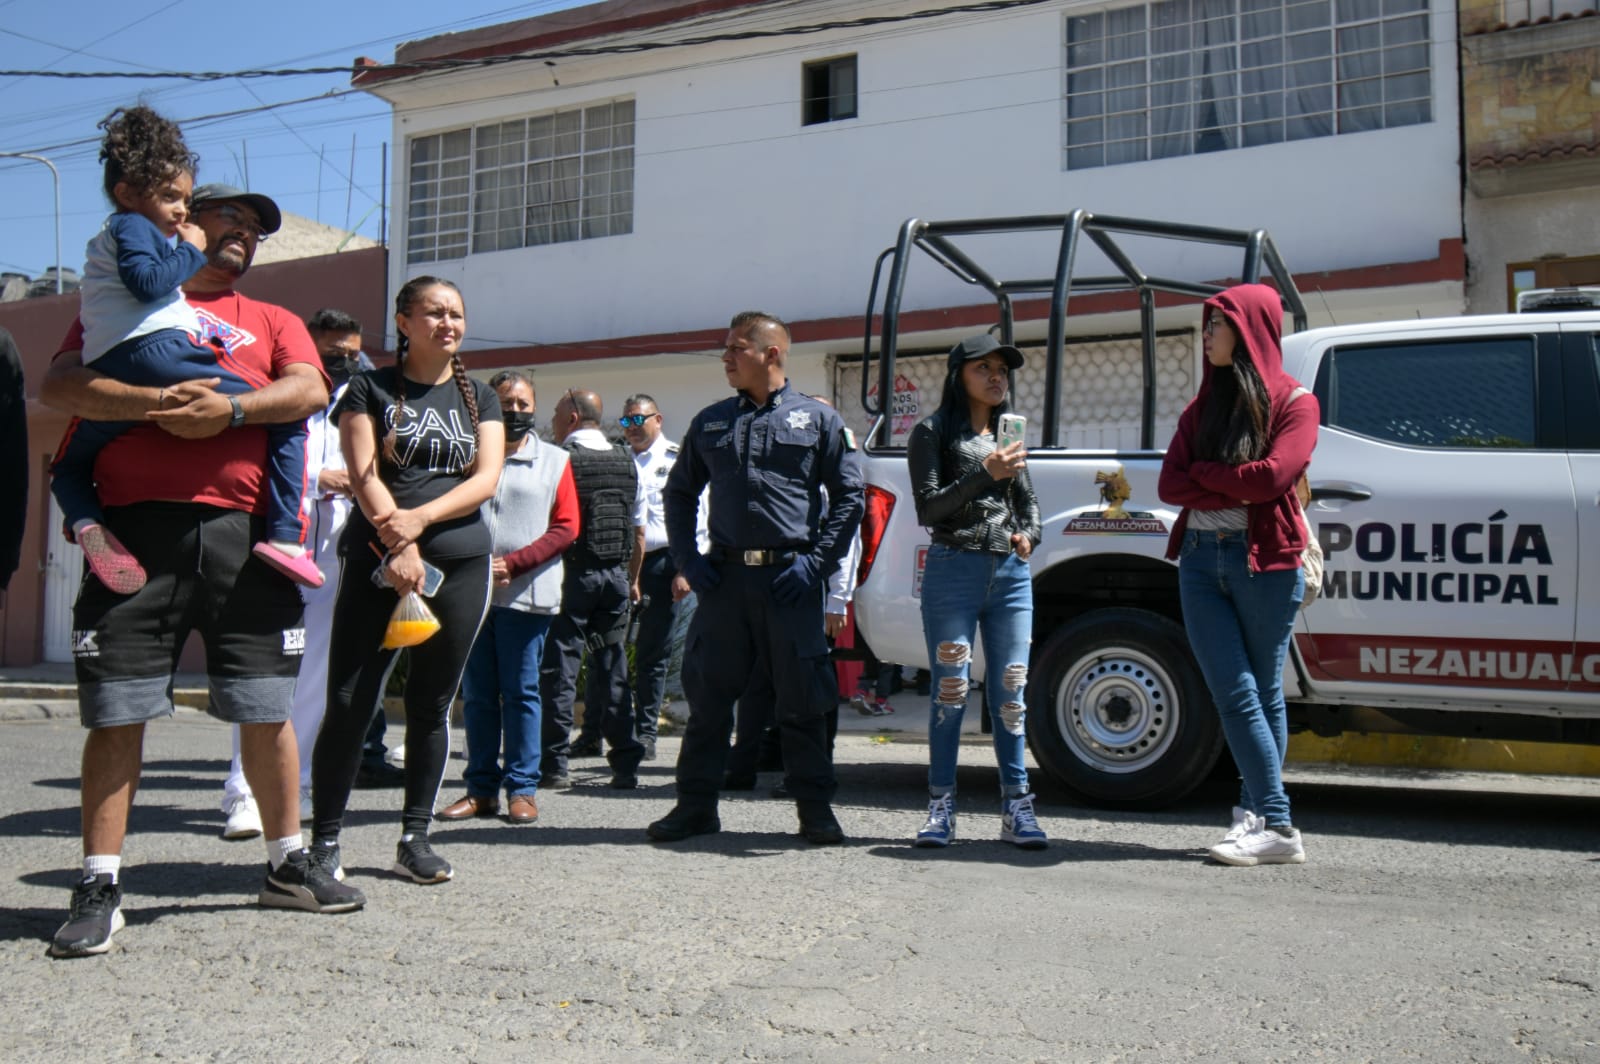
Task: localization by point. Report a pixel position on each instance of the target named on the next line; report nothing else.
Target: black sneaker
(300, 883)
(325, 855)
(415, 859)
(380, 775)
(95, 916)
(585, 748)
(684, 821)
(624, 781)
(818, 824)
(739, 781)
(561, 782)
(649, 749)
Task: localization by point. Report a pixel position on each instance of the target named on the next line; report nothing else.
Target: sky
(321, 159)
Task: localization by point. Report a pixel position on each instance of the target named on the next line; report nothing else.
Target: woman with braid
(424, 444)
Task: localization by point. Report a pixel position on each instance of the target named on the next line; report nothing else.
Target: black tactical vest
(607, 482)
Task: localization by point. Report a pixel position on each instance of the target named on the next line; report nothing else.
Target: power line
(426, 66)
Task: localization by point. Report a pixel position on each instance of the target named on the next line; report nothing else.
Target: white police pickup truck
(1457, 497)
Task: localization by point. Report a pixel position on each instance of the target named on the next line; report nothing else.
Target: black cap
(982, 344)
(207, 195)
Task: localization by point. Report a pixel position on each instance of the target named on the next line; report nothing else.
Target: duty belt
(755, 557)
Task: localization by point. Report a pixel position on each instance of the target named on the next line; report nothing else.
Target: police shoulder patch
(849, 439)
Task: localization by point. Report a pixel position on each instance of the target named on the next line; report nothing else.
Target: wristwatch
(238, 413)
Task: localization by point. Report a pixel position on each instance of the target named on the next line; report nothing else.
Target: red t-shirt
(147, 463)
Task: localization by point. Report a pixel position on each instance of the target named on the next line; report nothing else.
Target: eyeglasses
(236, 217)
(1211, 326)
(633, 421)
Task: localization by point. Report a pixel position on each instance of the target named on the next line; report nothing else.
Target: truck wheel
(1118, 712)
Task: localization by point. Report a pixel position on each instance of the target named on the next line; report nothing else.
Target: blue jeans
(963, 590)
(500, 695)
(1239, 624)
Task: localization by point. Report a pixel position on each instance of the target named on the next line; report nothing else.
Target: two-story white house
(608, 184)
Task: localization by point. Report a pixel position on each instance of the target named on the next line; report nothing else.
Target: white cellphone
(1013, 427)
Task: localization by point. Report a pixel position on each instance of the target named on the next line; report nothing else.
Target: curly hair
(142, 149)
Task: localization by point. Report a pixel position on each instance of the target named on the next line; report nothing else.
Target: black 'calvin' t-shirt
(434, 448)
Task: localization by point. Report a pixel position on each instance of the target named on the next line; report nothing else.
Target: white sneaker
(1261, 845)
(397, 756)
(305, 805)
(1244, 822)
(244, 819)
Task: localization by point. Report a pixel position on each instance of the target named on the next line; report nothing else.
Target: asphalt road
(1438, 919)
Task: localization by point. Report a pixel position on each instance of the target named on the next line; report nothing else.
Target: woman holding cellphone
(975, 498)
(424, 444)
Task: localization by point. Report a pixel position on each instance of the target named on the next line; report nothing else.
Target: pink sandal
(301, 569)
(110, 561)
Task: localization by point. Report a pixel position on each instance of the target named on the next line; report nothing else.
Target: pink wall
(352, 281)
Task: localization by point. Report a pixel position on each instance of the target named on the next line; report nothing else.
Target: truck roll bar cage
(938, 241)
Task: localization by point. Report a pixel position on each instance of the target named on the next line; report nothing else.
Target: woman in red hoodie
(1240, 446)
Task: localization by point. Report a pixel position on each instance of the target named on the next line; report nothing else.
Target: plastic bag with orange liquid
(412, 622)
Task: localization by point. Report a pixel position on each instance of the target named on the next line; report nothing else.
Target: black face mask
(341, 369)
(518, 424)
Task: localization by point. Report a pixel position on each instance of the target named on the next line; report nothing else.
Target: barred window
(545, 179)
(1183, 77)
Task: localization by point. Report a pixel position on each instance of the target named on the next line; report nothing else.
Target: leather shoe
(818, 824)
(739, 781)
(470, 806)
(624, 781)
(563, 782)
(585, 748)
(523, 809)
(684, 821)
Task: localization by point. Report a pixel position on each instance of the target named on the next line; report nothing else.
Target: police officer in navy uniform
(765, 453)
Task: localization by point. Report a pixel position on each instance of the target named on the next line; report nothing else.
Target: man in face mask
(337, 337)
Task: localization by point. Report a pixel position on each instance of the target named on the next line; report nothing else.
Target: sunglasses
(633, 421)
(235, 217)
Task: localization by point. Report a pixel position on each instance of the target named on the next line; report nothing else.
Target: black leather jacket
(958, 501)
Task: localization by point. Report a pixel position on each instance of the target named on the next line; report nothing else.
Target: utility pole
(55, 176)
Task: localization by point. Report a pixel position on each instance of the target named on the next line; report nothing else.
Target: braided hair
(403, 302)
(142, 149)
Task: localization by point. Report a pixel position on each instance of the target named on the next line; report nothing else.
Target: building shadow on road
(39, 925)
(1403, 806)
(153, 818)
(1061, 851)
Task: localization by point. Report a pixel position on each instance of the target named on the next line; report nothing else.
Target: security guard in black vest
(765, 453)
(600, 579)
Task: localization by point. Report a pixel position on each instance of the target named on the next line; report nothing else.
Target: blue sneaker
(1018, 825)
(941, 826)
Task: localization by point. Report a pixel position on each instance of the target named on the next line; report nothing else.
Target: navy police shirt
(765, 466)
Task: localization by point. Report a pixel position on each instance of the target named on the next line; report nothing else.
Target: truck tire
(1118, 711)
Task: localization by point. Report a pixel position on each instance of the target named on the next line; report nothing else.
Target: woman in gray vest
(532, 519)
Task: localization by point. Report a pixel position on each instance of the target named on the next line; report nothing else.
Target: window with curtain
(545, 179)
(1183, 77)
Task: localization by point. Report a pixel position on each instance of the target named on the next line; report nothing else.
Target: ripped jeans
(964, 591)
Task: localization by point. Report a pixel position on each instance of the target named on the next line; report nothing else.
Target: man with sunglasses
(185, 489)
(656, 612)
